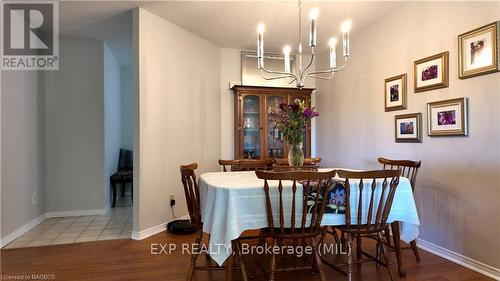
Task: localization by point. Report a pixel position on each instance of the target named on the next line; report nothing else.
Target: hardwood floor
(127, 259)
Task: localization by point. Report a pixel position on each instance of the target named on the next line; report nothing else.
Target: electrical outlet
(34, 198)
(172, 200)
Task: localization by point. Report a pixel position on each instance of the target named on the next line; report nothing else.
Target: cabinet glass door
(251, 126)
(275, 138)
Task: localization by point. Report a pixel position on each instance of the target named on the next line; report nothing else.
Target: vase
(295, 155)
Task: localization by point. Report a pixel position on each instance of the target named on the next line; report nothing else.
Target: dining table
(234, 202)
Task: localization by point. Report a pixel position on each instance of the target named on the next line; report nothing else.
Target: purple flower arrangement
(291, 118)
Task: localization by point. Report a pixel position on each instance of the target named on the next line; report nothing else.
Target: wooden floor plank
(127, 259)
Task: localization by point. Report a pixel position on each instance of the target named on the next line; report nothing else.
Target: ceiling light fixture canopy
(303, 73)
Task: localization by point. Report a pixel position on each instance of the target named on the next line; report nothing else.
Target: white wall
(179, 113)
(126, 107)
(21, 147)
(230, 73)
(74, 128)
(112, 118)
(457, 189)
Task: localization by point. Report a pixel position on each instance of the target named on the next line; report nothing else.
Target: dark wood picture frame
(417, 128)
(444, 56)
(494, 28)
(402, 95)
(462, 131)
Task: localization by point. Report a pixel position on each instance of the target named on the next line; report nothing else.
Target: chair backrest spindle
(409, 168)
(315, 186)
(382, 202)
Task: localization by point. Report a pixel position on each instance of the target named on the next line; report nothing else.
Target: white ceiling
(110, 21)
(229, 24)
(233, 24)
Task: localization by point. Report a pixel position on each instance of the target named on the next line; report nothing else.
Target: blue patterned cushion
(335, 197)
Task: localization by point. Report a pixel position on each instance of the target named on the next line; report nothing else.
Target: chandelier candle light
(302, 73)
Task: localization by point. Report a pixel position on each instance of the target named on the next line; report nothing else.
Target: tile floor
(116, 224)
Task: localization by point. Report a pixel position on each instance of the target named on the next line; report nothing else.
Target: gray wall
(74, 128)
(61, 134)
(112, 118)
(126, 110)
(457, 189)
(179, 113)
(22, 151)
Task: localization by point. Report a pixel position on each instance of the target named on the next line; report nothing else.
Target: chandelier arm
(284, 75)
(321, 72)
(322, 77)
(274, 78)
(309, 65)
(330, 71)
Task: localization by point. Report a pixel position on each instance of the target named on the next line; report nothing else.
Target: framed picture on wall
(408, 127)
(447, 117)
(431, 73)
(478, 51)
(395, 91)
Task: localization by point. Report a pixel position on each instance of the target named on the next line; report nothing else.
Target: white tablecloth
(233, 202)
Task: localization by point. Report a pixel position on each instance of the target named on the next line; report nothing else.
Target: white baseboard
(139, 235)
(21, 230)
(460, 259)
(77, 213)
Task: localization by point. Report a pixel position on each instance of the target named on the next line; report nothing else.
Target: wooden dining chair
(409, 169)
(281, 164)
(246, 164)
(381, 186)
(315, 186)
(192, 194)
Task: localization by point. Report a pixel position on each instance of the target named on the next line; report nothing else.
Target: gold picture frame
(478, 51)
(408, 127)
(434, 76)
(448, 117)
(396, 97)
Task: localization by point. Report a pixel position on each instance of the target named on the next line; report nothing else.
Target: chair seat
(122, 175)
(361, 229)
(289, 234)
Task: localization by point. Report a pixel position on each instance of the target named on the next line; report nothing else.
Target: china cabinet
(255, 135)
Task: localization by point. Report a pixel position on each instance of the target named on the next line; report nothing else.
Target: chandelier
(302, 74)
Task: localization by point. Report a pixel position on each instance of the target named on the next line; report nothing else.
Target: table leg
(230, 265)
(397, 247)
(237, 247)
(413, 245)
